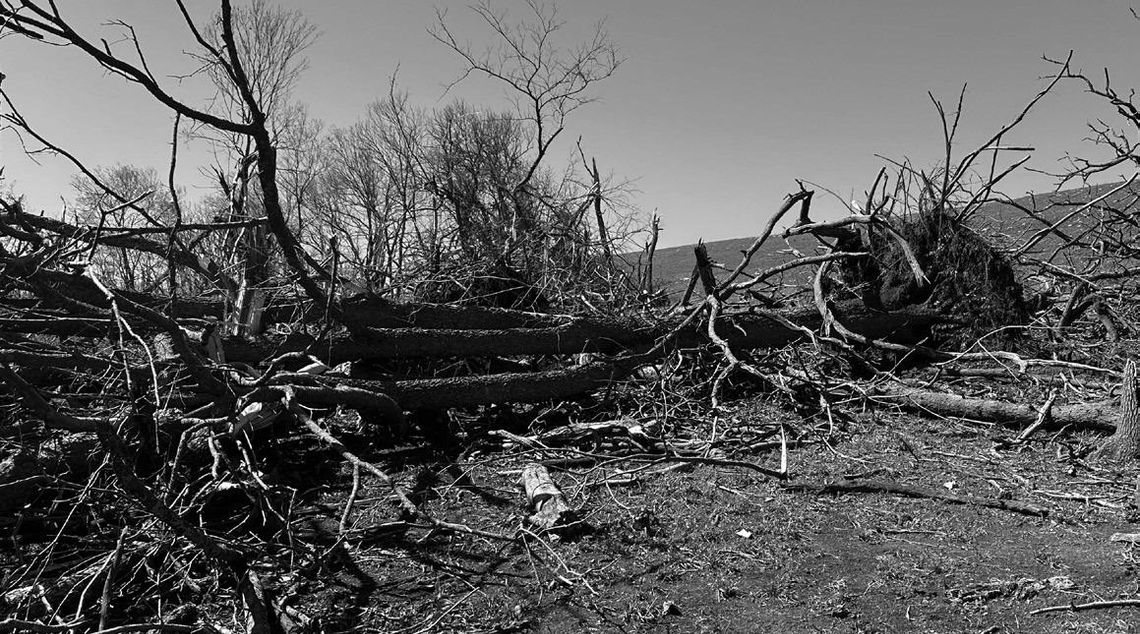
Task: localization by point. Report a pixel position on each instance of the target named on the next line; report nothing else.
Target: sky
(717, 109)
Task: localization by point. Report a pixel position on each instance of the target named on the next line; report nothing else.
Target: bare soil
(704, 548)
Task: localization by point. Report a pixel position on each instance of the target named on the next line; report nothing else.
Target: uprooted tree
(420, 263)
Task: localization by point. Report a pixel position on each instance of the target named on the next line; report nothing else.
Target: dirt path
(709, 549)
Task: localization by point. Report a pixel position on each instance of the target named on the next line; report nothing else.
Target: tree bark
(390, 399)
(1087, 415)
(1125, 443)
(520, 387)
(544, 499)
(572, 336)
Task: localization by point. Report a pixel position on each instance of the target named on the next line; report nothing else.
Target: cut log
(549, 509)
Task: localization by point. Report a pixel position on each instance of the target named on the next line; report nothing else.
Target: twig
(351, 499)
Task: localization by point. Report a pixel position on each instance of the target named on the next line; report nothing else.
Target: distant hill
(1009, 224)
(673, 266)
(1005, 224)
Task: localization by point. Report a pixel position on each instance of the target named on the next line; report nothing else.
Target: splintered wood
(548, 506)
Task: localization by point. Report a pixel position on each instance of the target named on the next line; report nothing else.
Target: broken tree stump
(1125, 443)
(545, 500)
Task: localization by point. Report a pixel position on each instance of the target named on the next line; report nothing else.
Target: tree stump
(1125, 443)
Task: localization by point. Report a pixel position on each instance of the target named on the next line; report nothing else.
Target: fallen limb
(572, 335)
(516, 387)
(409, 508)
(35, 402)
(1092, 605)
(21, 625)
(914, 492)
(175, 255)
(411, 343)
(1098, 415)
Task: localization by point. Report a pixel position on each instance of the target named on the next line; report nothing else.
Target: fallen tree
(575, 335)
(151, 382)
(1096, 415)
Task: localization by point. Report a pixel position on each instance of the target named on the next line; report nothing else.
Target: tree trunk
(1125, 443)
(572, 336)
(1084, 415)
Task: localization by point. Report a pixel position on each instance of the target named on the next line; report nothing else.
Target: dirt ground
(706, 548)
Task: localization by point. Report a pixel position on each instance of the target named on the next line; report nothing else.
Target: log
(549, 509)
(358, 313)
(390, 398)
(1096, 415)
(509, 387)
(377, 312)
(61, 326)
(412, 343)
(744, 331)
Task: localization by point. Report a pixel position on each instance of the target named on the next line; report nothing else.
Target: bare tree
(96, 207)
(546, 82)
(270, 43)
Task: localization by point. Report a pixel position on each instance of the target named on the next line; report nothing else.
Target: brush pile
(203, 410)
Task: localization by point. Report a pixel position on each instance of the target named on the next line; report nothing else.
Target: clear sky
(719, 107)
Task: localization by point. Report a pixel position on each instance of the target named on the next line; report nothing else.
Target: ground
(707, 548)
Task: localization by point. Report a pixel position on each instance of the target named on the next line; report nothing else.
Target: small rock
(669, 608)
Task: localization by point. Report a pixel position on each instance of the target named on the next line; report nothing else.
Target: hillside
(673, 266)
(1007, 225)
